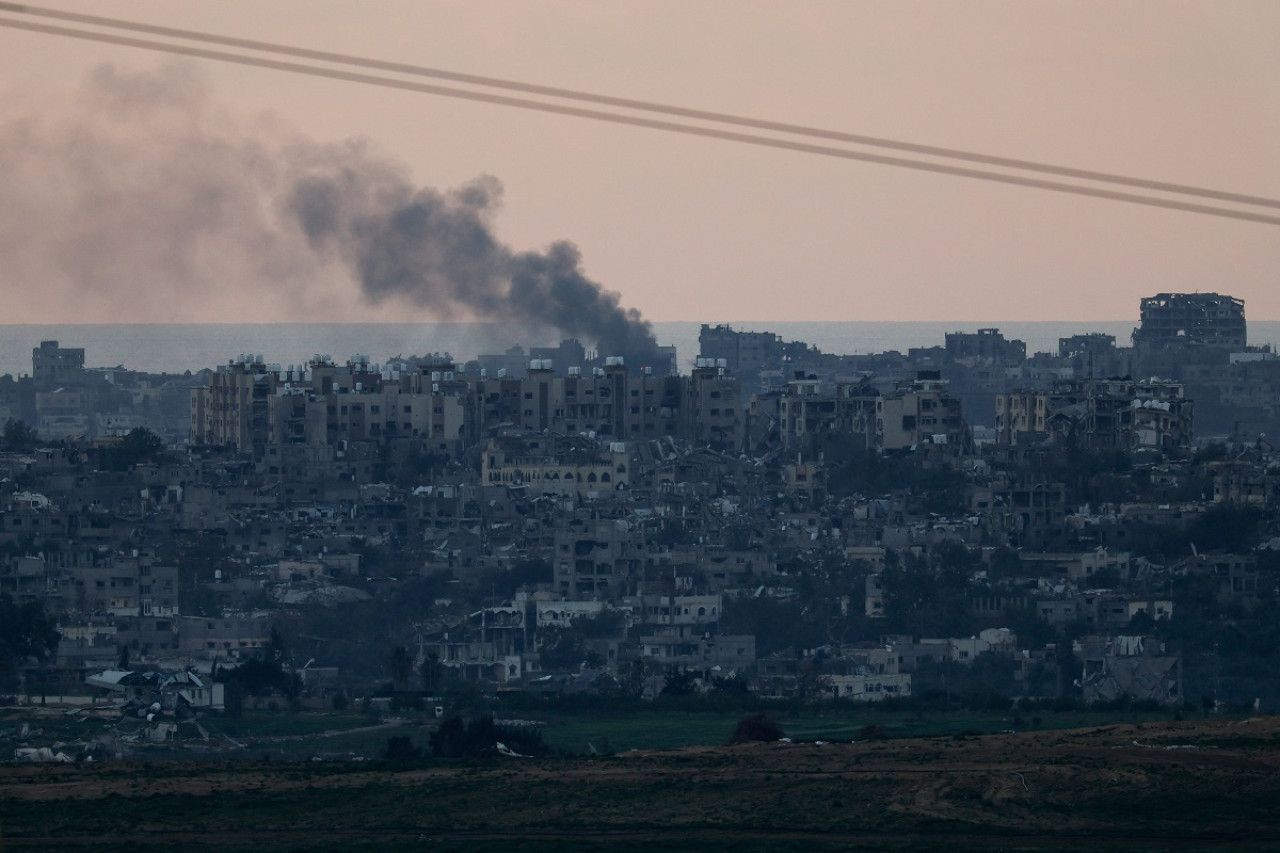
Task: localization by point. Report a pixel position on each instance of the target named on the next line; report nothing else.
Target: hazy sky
(134, 186)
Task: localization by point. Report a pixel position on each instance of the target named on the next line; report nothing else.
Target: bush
(456, 739)
(755, 728)
(401, 748)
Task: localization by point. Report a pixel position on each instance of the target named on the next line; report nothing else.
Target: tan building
(547, 467)
(249, 405)
(921, 412)
(1020, 414)
(216, 637)
(123, 586)
(711, 407)
(596, 559)
(805, 408)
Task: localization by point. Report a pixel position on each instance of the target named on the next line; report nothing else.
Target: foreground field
(1209, 785)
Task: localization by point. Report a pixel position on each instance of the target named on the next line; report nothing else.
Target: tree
(401, 748)
(26, 633)
(731, 684)
(678, 681)
(755, 728)
(1224, 527)
(201, 558)
(449, 740)
(455, 739)
(18, 436)
(257, 677)
(632, 678)
(139, 446)
(606, 624)
(811, 684)
(920, 598)
(561, 648)
(777, 625)
(432, 673)
(401, 666)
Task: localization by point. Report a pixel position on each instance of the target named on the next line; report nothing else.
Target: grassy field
(300, 736)
(667, 729)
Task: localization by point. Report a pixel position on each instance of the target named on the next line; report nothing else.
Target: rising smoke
(437, 251)
(142, 196)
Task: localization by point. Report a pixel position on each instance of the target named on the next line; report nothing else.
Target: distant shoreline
(180, 347)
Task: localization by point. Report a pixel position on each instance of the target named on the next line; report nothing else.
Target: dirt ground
(1204, 785)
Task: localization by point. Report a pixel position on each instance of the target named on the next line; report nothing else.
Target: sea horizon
(182, 347)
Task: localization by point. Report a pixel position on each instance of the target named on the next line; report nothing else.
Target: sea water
(177, 348)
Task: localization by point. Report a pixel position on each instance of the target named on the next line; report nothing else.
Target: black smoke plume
(141, 199)
(436, 250)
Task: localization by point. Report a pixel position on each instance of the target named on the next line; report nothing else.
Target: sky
(137, 187)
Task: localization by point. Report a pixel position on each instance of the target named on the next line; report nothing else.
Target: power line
(643, 106)
(673, 127)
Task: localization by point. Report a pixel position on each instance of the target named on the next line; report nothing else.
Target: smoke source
(142, 196)
(437, 251)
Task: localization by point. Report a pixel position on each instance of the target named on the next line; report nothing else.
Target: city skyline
(681, 228)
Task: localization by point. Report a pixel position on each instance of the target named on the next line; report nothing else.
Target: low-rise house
(686, 647)
(223, 637)
(1235, 576)
(562, 614)
(168, 691)
(1138, 668)
(869, 687)
(657, 609)
(1078, 566)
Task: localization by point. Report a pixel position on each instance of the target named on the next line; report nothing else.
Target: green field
(665, 729)
(282, 735)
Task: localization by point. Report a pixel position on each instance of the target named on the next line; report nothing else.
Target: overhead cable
(643, 106)
(643, 121)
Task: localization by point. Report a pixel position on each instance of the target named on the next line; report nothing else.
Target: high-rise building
(1205, 319)
(55, 365)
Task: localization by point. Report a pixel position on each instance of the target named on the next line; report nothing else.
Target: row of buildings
(249, 406)
(563, 527)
